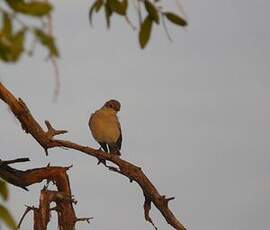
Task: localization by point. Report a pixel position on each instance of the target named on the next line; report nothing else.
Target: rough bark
(62, 197)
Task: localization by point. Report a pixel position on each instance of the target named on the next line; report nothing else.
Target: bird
(105, 127)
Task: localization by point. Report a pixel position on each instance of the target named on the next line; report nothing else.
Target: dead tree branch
(133, 172)
(18, 160)
(28, 209)
(62, 197)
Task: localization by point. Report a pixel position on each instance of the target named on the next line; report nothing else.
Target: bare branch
(28, 209)
(133, 172)
(29, 124)
(166, 28)
(87, 219)
(18, 160)
(147, 207)
(53, 132)
(130, 23)
(62, 197)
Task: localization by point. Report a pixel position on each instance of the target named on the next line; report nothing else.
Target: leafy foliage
(152, 9)
(119, 7)
(175, 19)
(47, 41)
(13, 41)
(3, 190)
(33, 8)
(145, 31)
(5, 215)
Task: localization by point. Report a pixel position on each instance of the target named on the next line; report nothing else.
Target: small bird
(105, 127)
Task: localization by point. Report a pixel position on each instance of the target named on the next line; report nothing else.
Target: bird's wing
(119, 140)
(90, 120)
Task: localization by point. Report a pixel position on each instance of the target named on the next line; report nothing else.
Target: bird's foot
(102, 161)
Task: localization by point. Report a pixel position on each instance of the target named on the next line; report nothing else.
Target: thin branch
(130, 23)
(54, 62)
(57, 86)
(87, 219)
(139, 12)
(28, 209)
(166, 28)
(29, 124)
(147, 207)
(125, 168)
(52, 132)
(18, 160)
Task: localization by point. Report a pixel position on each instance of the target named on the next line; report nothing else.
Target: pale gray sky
(195, 115)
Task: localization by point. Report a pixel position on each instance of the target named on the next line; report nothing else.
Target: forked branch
(62, 197)
(133, 172)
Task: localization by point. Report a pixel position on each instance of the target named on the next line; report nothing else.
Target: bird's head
(113, 104)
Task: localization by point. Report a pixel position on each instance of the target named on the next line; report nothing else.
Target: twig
(57, 86)
(87, 219)
(139, 12)
(18, 160)
(147, 207)
(28, 209)
(62, 197)
(130, 23)
(166, 28)
(54, 62)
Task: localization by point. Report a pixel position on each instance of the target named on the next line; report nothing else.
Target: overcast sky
(195, 115)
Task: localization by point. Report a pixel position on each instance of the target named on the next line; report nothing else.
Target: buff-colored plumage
(105, 126)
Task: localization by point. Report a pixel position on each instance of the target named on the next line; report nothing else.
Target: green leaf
(3, 51)
(12, 47)
(47, 41)
(91, 12)
(6, 217)
(33, 8)
(175, 19)
(7, 25)
(118, 6)
(108, 14)
(125, 5)
(3, 190)
(152, 11)
(145, 31)
(99, 5)
(95, 6)
(18, 43)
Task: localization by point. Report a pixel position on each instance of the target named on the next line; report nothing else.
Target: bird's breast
(104, 127)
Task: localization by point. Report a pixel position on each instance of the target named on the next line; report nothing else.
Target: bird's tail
(114, 149)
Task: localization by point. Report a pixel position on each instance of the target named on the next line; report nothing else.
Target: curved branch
(133, 172)
(29, 124)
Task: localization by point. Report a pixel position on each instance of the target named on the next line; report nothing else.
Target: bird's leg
(102, 161)
(104, 148)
